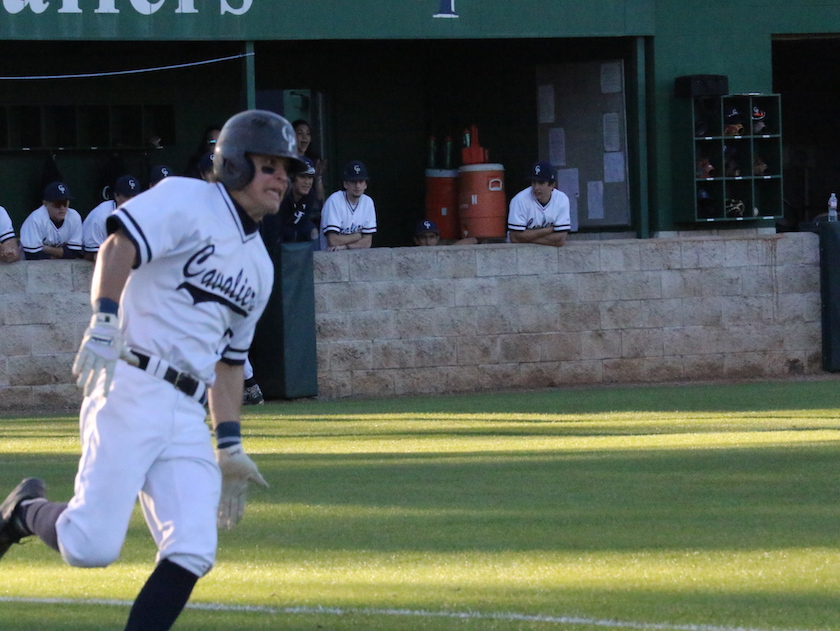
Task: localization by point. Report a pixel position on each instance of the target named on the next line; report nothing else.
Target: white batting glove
(101, 346)
(237, 470)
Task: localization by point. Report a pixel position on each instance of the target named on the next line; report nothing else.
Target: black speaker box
(701, 85)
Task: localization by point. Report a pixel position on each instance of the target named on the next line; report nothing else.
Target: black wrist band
(106, 305)
(228, 433)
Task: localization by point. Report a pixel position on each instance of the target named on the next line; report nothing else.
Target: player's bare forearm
(225, 396)
(53, 252)
(540, 236)
(113, 265)
(355, 241)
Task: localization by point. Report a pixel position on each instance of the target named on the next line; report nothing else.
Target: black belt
(182, 381)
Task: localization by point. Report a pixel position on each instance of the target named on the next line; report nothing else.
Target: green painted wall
(319, 19)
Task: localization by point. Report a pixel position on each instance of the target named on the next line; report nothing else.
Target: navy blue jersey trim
(233, 362)
(114, 223)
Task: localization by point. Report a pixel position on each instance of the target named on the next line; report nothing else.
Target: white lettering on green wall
(143, 7)
(16, 6)
(226, 8)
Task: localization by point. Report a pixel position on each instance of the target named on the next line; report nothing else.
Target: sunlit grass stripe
(418, 613)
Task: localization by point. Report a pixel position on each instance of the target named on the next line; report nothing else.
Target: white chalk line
(419, 613)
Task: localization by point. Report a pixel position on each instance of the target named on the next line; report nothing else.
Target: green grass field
(697, 508)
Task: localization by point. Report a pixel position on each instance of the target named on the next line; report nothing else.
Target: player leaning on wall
(177, 290)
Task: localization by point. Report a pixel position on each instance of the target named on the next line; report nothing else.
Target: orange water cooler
(482, 209)
(442, 201)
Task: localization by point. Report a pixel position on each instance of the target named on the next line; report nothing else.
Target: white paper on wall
(595, 199)
(557, 146)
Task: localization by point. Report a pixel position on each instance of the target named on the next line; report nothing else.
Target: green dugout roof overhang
(255, 20)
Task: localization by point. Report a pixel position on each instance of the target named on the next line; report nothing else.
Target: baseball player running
(540, 213)
(177, 290)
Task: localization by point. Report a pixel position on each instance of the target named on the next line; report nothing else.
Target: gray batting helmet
(252, 131)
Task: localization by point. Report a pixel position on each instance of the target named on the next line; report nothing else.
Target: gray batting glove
(101, 346)
(237, 470)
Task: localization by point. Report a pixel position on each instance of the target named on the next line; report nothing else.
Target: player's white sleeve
(7, 231)
(563, 223)
(330, 214)
(74, 239)
(368, 219)
(518, 214)
(31, 239)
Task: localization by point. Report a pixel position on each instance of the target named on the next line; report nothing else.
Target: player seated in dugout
(53, 230)
(426, 233)
(540, 213)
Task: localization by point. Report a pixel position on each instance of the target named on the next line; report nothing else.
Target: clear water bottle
(832, 207)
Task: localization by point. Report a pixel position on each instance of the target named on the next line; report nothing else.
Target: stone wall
(452, 319)
(466, 318)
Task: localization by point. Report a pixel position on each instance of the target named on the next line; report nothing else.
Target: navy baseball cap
(309, 169)
(542, 171)
(127, 186)
(158, 173)
(355, 171)
(206, 162)
(426, 226)
(55, 191)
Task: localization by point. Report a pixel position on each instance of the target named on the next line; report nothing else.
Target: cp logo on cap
(427, 225)
(357, 168)
(62, 188)
(537, 169)
(165, 172)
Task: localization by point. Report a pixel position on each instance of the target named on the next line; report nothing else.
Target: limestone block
(561, 288)
(421, 381)
(14, 398)
(393, 353)
(41, 370)
(456, 262)
(346, 356)
(541, 375)
(748, 310)
(744, 338)
(418, 294)
(82, 276)
(322, 356)
(330, 267)
(691, 340)
(639, 285)
(371, 264)
(797, 248)
(676, 283)
(578, 316)
(13, 278)
(492, 377)
(797, 279)
(803, 337)
(478, 349)
(322, 297)
(29, 308)
(373, 383)
(797, 308)
(621, 256)
(581, 372)
(414, 323)
(370, 325)
(58, 337)
(702, 253)
(736, 252)
(72, 307)
(15, 340)
(641, 343)
(703, 311)
(436, 351)
(716, 282)
(415, 263)
(332, 326)
(57, 397)
(703, 367)
(519, 348)
(537, 259)
(813, 361)
(642, 370)
(579, 256)
(476, 291)
(757, 281)
(523, 290)
(537, 318)
(599, 286)
(746, 365)
(49, 276)
(335, 384)
(344, 297)
(4, 375)
(600, 344)
(497, 320)
(658, 254)
(662, 313)
(559, 346)
(621, 314)
(496, 260)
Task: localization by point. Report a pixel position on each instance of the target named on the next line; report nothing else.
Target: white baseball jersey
(93, 228)
(6, 230)
(38, 230)
(202, 278)
(527, 213)
(339, 216)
